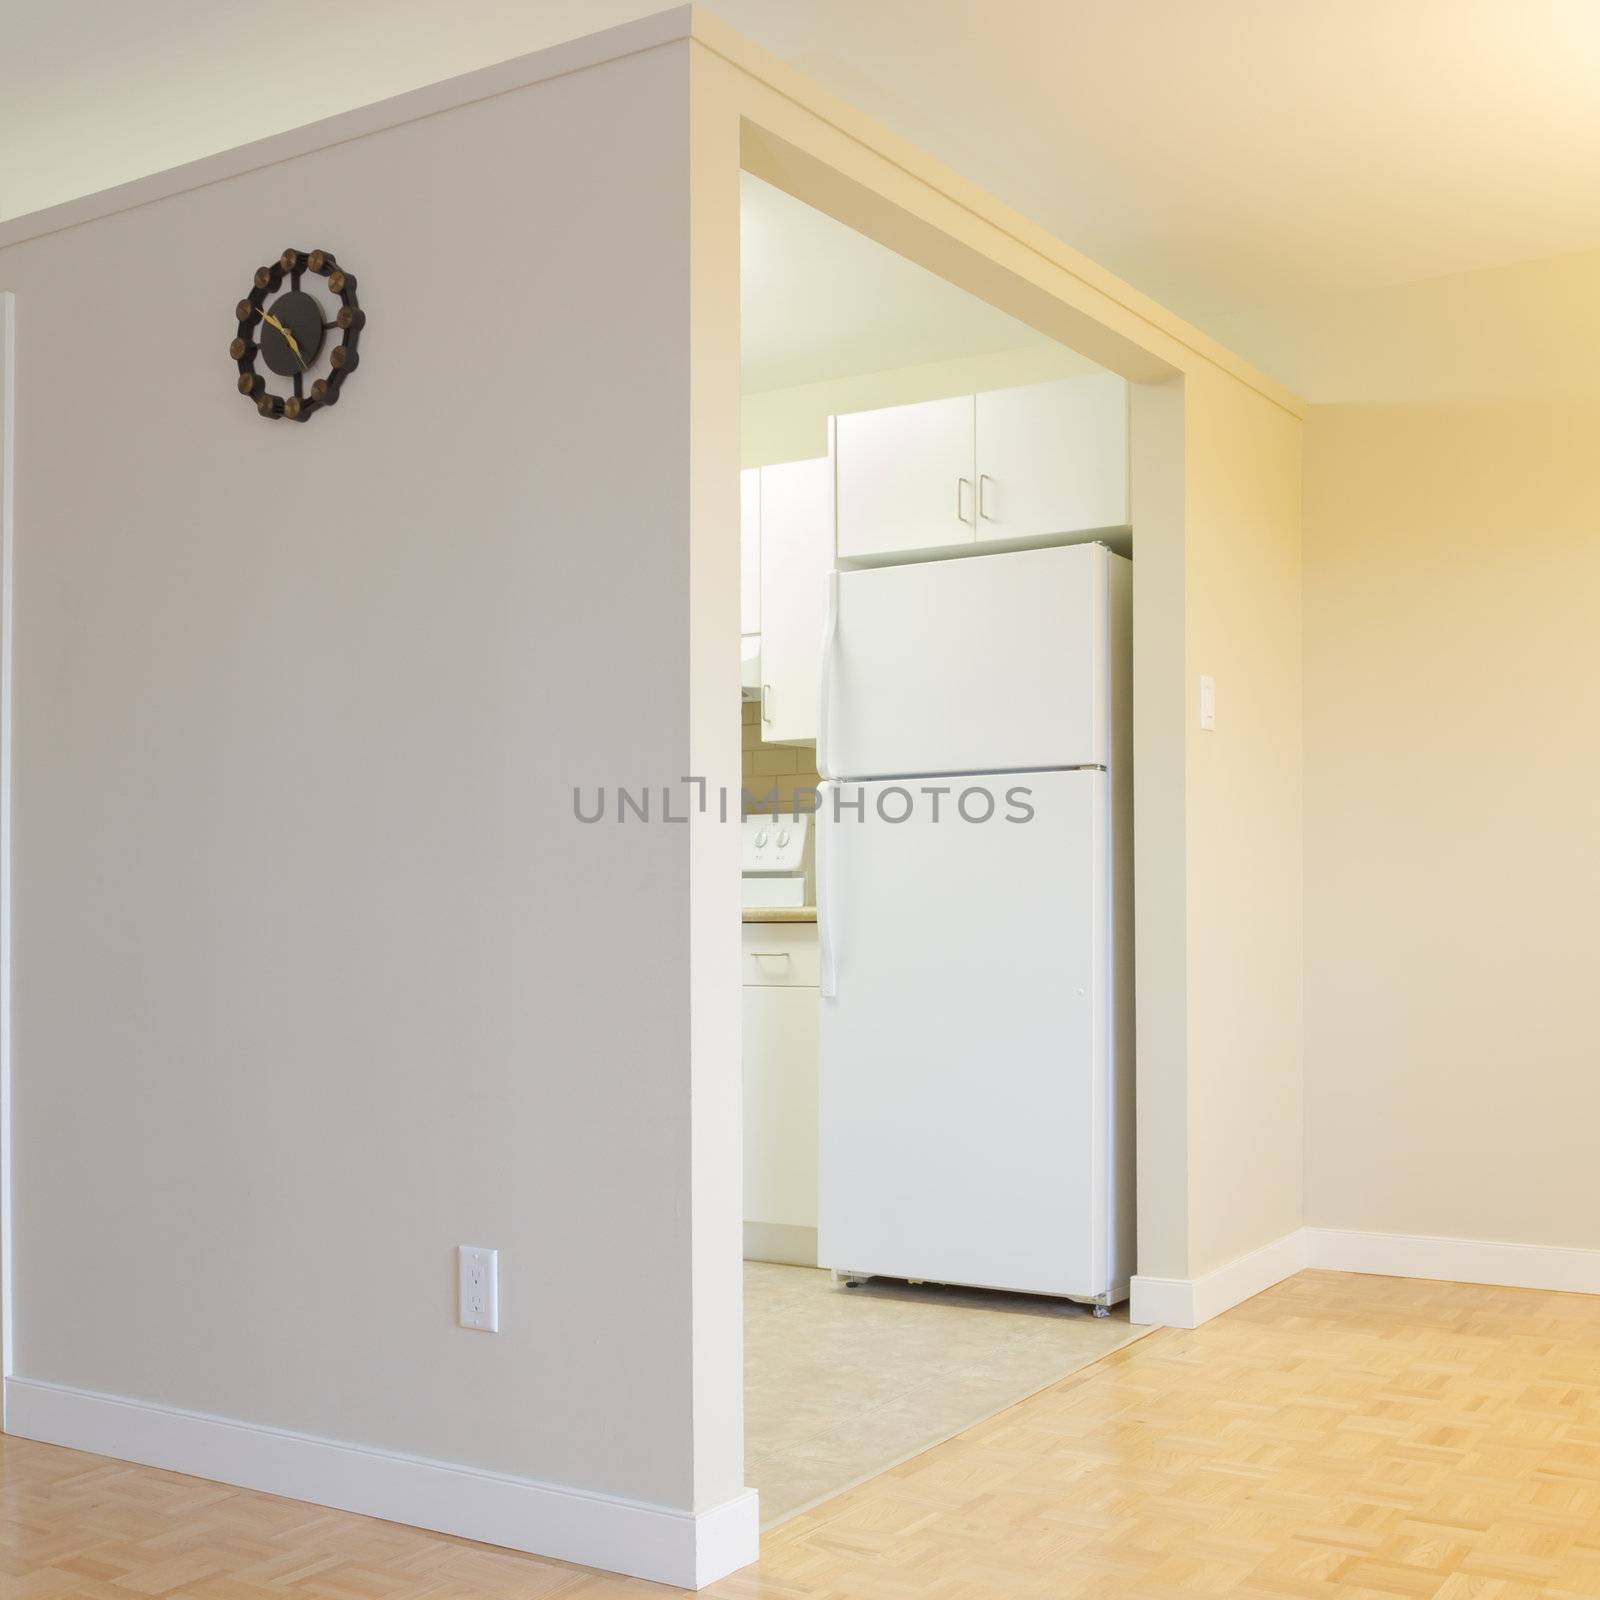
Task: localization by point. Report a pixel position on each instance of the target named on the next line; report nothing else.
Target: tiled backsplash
(784, 767)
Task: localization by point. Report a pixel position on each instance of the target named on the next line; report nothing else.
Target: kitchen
(937, 998)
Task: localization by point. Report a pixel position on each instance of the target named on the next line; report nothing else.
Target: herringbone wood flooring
(1341, 1437)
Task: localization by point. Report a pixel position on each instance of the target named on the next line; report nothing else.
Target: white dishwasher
(781, 1001)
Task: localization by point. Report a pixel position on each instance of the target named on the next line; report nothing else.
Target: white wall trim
(1411, 1255)
(684, 1548)
(1188, 1302)
(784, 1242)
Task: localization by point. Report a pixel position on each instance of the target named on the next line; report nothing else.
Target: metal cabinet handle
(766, 702)
(962, 485)
(770, 955)
(983, 478)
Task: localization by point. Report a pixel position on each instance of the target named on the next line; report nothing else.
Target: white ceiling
(1222, 156)
(820, 301)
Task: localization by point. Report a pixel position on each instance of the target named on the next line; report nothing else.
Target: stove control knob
(783, 839)
(761, 839)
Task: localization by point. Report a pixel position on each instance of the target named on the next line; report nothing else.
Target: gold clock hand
(288, 338)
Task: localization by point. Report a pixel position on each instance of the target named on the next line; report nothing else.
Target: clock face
(286, 331)
(290, 342)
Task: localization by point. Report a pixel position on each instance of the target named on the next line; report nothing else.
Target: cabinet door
(905, 478)
(750, 550)
(780, 1106)
(1053, 458)
(796, 556)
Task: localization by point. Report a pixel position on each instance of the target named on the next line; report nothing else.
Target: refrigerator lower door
(965, 1049)
(989, 663)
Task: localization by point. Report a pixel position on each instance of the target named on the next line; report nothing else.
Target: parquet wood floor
(1337, 1438)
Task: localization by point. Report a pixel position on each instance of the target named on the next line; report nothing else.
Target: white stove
(774, 867)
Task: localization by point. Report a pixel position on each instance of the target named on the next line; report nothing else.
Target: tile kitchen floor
(841, 1384)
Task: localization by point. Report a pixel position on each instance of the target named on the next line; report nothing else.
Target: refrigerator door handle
(829, 638)
(828, 977)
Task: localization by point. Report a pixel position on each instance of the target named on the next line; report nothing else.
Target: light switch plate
(1208, 702)
(478, 1288)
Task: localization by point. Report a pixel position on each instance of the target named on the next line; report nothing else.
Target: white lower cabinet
(781, 1003)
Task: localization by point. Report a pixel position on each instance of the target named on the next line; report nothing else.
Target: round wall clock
(288, 333)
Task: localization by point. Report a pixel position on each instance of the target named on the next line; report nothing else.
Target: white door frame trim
(8, 411)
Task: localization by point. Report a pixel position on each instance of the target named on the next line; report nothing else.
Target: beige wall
(1453, 825)
(1452, 585)
(1245, 964)
(316, 975)
(1217, 541)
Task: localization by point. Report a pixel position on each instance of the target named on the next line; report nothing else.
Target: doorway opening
(937, 961)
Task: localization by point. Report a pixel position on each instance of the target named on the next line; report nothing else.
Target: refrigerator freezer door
(987, 663)
(965, 1036)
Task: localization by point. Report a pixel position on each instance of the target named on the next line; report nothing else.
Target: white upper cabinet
(1046, 461)
(1053, 458)
(750, 550)
(796, 556)
(905, 478)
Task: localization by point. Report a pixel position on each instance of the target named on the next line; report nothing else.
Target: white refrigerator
(974, 883)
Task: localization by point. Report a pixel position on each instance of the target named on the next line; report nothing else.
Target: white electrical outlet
(478, 1288)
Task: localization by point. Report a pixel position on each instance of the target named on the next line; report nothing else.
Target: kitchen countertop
(780, 913)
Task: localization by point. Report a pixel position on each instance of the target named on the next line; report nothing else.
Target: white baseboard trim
(1188, 1302)
(785, 1243)
(684, 1548)
(1408, 1255)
